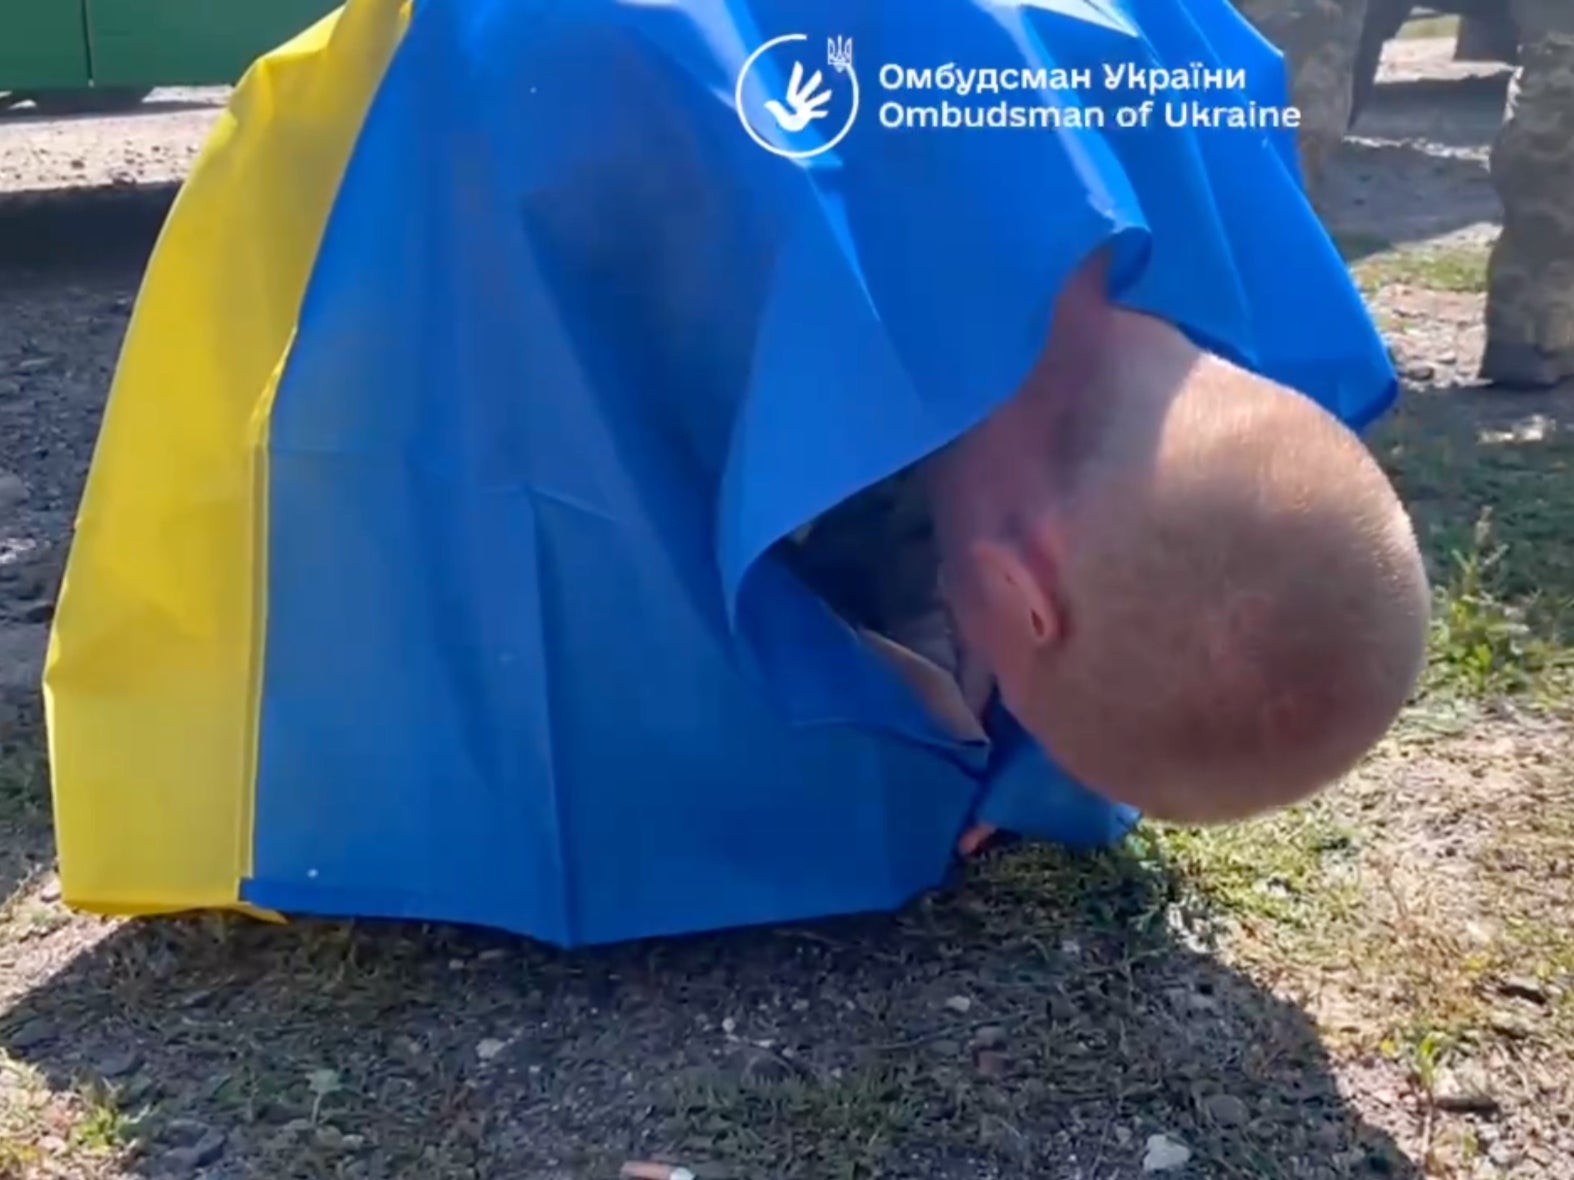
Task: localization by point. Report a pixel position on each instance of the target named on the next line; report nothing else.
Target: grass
(1491, 494)
(1491, 502)
(23, 784)
(1344, 897)
(1430, 26)
(40, 1127)
(1459, 269)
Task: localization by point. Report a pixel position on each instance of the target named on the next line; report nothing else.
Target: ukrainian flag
(423, 570)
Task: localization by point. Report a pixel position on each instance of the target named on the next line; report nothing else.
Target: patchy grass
(24, 785)
(1429, 26)
(1420, 914)
(1492, 491)
(1459, 268)
(24, 824)
(50, 1132)
(1420, 910)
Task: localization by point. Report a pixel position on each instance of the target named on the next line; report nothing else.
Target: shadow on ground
(105, 226)
(26, 848)
(1444, 194)
(1415, 166)
(1468, 459)
(1040, 1019)
(1458, 112)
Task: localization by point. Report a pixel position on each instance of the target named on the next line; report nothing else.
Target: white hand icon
(803, 100)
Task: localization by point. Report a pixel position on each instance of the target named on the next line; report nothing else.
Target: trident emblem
(839, 53)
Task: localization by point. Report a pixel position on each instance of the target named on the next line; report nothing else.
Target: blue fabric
(577, 351)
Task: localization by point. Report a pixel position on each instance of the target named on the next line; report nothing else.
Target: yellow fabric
(152, 680)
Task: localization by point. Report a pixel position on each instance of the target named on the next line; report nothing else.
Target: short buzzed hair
(1246, 605)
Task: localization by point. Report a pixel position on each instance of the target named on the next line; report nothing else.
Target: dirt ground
(1378, 984)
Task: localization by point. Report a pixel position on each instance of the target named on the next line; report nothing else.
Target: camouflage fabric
(1320, 40)
(873, 559)
(1530, 278)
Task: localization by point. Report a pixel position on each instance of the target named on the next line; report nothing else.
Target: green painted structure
(104, 54)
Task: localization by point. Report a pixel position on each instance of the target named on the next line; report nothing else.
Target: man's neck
(999, 480)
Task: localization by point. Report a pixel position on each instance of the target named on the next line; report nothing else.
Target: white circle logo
(796, 112)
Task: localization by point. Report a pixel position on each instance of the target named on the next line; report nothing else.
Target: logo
(795, 115)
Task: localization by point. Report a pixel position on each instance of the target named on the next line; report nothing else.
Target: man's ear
(1017, 595)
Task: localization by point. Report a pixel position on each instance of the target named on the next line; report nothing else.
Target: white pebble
(1164, 1154)
(489, 1048)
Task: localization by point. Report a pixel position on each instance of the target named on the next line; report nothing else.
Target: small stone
(1227, 1110)
(1420, 371)
(1203, 1002)
(50, 892)
(800, 1005)
(1479, 932)
(292, 1132)
(408, 1048)
(489, 1048)
(1465, 1090)
(329, 1137)
(1189, 1000)
(1060, 1006)
(492, 954)
(1511, 1025)
(991, 1064)
(203, 1152)
(29, 1036)
(729, 1026)
(1328, 1136)
(12, 492)
(184, 1132)
(959, 1004)
(1523, 987)
(32, 364)
(1164, 1154)
(118, 1064)
(990, 1036)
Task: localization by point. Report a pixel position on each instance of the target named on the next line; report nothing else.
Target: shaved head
(1243, 604)
(1195, 587)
